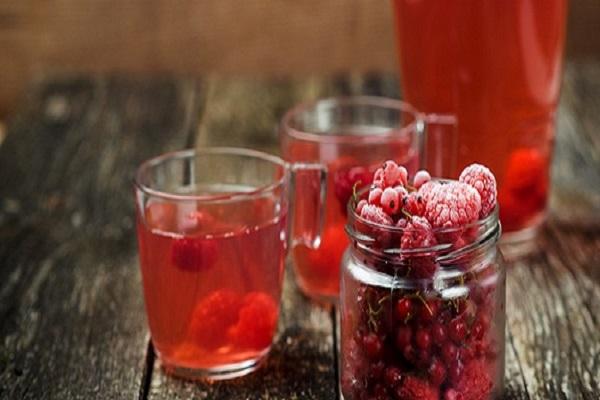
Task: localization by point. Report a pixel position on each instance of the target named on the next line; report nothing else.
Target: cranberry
(376, 370)
(477, 330)
(423, 339)
(438, 332)
(429, 311)
(392, 377)
(409, 353)
(457, 330)
(404, 337)
(372, 345)
(454, 371)
(437, 372)
(423, 358)
(379, 392)
(403, 309)
(449, 352)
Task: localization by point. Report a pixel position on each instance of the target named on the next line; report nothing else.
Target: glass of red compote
(352, 136)
(212, 230)
(422, 303)
(497, 66)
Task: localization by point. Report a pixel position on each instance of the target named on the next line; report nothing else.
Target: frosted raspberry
(414, 204)
(427, 188)
(474, 383)
(452, 205)
(390, 201)
(413, 388)
(421, 178)
(376, 214)
(418, 234)
(482, 179)
(375, 196)
(394, 174)
(360, 206)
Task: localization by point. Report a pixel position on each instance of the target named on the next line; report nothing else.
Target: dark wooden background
(71, 307)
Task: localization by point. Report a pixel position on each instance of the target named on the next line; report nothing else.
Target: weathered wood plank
(71, 305)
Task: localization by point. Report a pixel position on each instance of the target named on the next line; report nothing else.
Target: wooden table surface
(72, 322)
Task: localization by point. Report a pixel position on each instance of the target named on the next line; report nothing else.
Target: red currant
(403, 337)
(372, 345)
(423, 339)
(403, 309)
(437, 372)
(457, 330)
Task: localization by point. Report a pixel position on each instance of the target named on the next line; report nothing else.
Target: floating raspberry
(212, 317)
(193, 254)
(453, 205)
(414, 204)
(390, 201)
(376, 214)
(482, 179)
(394, 174)
(474, 382)
(375, 196)
(413, 388)
(257, 321)
(421, 178)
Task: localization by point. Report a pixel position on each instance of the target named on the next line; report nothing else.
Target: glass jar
(424, 323)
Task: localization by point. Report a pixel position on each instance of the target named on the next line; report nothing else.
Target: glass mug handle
(308, 189)
(438, 143)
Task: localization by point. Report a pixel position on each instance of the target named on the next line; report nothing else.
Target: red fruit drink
(211, 292)
(496, 65)
(352, 137)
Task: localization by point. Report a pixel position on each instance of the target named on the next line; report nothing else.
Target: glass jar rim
(375, 101)
(488, 226)
(146, 166)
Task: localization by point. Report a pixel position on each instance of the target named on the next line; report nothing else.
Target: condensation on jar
(424, 323)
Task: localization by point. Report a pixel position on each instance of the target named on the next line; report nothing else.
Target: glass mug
(353, 136)
(213, 231)
(496, 65)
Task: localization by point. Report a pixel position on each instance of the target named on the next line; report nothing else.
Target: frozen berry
(474, 383)
(394, 174)
(423, 338)
(428, 311)
(413, 388)
(360, 206)
(373, 345)
(417, 234)
(437, 372)
(375, 196)
(404, 308)
(457, 330)
(438, 333)
(421, 178)
(390, 202)
(453, 205)
(482, 179)
(402, 192)
(193, 254)
(212, 317)
(257, 321)
(449, 352)
(392, 377)
(414, 204)
(376, 214)
(403, 337)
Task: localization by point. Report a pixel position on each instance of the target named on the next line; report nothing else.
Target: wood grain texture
(72, 314)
